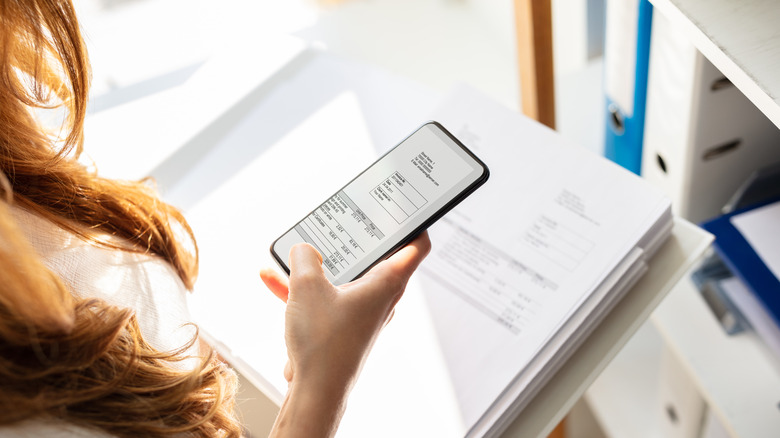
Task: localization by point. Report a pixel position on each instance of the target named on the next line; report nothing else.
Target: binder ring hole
(721, 149)
(671, 412)
(661, 163)
(616, 118)
(720, 84)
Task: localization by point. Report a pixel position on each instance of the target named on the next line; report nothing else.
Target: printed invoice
(519, 258)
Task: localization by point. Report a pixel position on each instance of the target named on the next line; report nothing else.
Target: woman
(93, 334)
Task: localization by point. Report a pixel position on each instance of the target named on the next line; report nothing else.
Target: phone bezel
(438, 214)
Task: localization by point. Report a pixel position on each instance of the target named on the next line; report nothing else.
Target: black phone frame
(423, 226)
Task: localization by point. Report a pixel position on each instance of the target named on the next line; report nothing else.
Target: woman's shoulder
(144, 283)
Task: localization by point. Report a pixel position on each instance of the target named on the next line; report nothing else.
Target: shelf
(734, 374)
(624, 398)
(740, 38)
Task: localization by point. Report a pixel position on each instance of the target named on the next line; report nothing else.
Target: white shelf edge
(753, 85)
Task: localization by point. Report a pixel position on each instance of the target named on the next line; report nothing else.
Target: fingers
(394, 272)
(276, 283)
(406, 260)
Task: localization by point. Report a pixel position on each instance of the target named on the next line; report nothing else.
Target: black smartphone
(387, 205)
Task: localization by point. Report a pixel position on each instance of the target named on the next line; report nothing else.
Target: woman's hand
(330, 330)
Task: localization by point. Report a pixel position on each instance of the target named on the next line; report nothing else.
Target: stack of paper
(524, 269)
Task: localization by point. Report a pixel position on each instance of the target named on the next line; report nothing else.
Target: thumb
(305, 264)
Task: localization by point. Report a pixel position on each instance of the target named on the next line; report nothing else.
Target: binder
(703, 138)
(713, 427)
(626, 57)
(682, 408)
(744, 262)
(754, 312)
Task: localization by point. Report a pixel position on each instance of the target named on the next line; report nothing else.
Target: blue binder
(743, 261)
(626, 126)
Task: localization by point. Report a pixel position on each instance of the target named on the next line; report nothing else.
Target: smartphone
(387, 205)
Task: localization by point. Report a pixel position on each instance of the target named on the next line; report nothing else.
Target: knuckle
(425, 247)
(395, 282)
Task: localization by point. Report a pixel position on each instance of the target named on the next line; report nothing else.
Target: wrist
(311, 409)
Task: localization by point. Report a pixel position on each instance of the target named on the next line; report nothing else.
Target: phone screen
(385, 206)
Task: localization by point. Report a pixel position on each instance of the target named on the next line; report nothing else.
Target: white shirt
(146, 284)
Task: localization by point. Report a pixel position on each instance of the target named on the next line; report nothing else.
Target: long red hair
(83, 361)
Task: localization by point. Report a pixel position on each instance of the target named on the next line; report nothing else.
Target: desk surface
(331, 102)
(740, 38)
(402, 379)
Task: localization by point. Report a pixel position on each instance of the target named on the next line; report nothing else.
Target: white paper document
(755, 312)
(761, 228)
(516, 260)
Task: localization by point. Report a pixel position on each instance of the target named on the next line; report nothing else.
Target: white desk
(398, 391)
(230, 181)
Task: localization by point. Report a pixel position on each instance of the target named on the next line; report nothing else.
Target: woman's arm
(329, 332)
